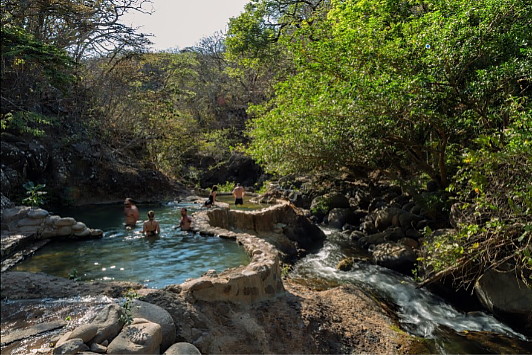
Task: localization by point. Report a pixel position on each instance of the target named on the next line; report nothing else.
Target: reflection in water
(126, 255)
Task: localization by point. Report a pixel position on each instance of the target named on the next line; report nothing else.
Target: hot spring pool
(123, 255)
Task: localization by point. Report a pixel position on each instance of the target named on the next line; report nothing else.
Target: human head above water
(151, 215)
(129, 201)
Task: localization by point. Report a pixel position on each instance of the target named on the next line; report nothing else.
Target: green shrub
(35, 194)
(493, 211)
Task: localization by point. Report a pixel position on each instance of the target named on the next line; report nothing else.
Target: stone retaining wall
(26, 229)
(27, 220)
(257, 231)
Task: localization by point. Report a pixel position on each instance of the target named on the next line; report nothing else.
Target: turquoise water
(126, 255)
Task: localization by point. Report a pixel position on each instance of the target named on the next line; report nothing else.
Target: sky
(182, 23)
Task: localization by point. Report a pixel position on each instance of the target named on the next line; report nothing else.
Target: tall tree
(84, 28)
(396, 84)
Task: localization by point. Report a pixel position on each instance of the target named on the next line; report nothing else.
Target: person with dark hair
(238, 193)
(131, 213)
(151, 226)
(186, 222)
(212, 197)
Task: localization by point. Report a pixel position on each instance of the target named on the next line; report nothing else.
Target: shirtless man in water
(131, 213)
(186, 222)
(151, 227)
(238, 193)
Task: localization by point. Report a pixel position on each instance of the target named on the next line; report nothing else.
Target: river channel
(419, 312)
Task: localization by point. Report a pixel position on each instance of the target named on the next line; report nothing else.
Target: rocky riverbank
(233, 317)
(299, 320)
(392, 224)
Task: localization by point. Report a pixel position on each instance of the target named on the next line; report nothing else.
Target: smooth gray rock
(38, 213)
(507, 297)
(20, 334)
(159, 315)
(70, 347)
(395, 256)
(98, 348)
(140, 337)
(182, 349)
(109, 323)
(85, 332)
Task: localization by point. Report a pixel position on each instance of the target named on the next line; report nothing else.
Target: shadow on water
(127, 255)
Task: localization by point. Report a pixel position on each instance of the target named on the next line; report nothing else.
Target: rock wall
(282, 225)
(81, 172)
(259, 232)
(25, 229)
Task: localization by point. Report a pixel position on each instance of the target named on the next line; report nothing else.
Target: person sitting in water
(186, 222)
(131, 213)
(151, 226)
(212, 197)
(238, 193)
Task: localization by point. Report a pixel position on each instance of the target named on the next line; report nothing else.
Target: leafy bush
(227, 187)
(34, 193)
(493, 212)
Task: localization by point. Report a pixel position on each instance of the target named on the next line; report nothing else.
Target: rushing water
(420, 312)
(126, 255)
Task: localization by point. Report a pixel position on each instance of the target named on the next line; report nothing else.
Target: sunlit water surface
(126, 255)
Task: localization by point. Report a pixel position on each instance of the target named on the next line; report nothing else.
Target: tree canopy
(402, 84)
(434, 90)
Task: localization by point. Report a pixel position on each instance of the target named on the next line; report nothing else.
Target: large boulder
(140, 337)
(395, 256)
(182, 348)
(71, 347)
(109, 321)
(507, 297)
(321, 205)
(337, 217)
(159, 315)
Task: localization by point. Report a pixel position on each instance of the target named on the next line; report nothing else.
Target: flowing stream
(419, 311)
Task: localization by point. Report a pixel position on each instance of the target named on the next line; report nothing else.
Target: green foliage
(250, 37)
(25, 123)
(34, 193)
(321, 207)
(127, 305)
(34, 75)
(436, 204)
(88, 28)
(285, 270)
(493, 209)
(388, 83)
(437, 90)
(228, 186)
(264, 187)
(23, 52)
